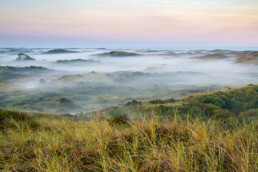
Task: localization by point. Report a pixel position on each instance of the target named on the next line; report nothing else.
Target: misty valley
(83, 80)
(128, 86)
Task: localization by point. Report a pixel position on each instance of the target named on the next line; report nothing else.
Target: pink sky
(101, 22)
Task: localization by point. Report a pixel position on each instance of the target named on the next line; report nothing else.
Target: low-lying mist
(93, 78)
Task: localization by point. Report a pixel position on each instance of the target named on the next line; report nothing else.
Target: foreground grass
(156, 144)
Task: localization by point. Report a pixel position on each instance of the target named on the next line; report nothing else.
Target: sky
(128, 23)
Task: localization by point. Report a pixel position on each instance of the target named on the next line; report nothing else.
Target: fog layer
(114, 73)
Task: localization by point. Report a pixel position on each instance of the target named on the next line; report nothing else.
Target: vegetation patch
(80, 61)
(133, 103)
(215, 136)
(67, 104)
(119, 121)
(148, 145)
(159, 101)
(59, 51)
(14, 119)
(118, 54)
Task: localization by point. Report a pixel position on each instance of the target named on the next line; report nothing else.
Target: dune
(118, 54)
(248, 57)
(9, 72)
(214, 56)
(77, 61)
(87, 77)
(24, 57)
(59, 51)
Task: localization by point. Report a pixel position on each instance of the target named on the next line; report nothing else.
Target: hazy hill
(214, 56)
(76, 61)
(248, 57)
(9, 72)
(117, 54)
(24, 57)
(59, 51)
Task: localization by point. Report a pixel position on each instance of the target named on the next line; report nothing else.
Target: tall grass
(156, 144)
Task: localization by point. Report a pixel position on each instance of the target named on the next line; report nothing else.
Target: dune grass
(154, 144)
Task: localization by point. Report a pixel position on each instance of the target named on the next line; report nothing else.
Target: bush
(209, 109)
(215, 100)
(170, 100)
(159, 101)
(133, 102)
(67, 104)
(42, 81)
(114, 111)
(165, 110)
(223, 114)
(65, 101)
(121, 121)
(251, 114)
(156, 101)
(250, 91)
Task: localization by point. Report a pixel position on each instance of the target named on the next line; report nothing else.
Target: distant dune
(87, 77)
(222, 51)
(59, 51)
(14, 50)
(213, 56)
(248, 57)
(118, 54)
(170, 53)
(24, 57)
(29, 70)
(9, 72)
(79, 61)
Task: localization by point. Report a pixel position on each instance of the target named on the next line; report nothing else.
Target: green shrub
(213, 99)
(133, 102)
(67, 104)
(170, 100)
(251, 114)
(119, 121)
(114, 111)
(165, 110)
(65, 101)
(250, 91)
(222, 114)
(209, 109)
(159, 101)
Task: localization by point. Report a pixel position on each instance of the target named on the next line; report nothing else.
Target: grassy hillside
(235, 104)
(182, 140)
